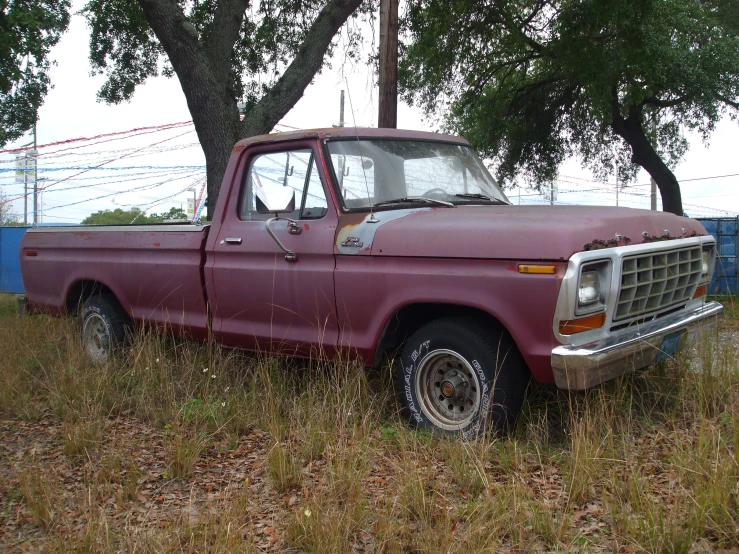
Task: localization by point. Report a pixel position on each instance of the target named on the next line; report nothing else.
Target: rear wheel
(104, 325)
(459, 376)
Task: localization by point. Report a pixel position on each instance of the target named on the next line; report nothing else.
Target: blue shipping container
(10, 264)
(726, 232)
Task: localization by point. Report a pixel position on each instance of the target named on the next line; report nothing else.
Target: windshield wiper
(478, 196)
(409, 199)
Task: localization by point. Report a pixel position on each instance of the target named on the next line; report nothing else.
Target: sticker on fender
(670, 346)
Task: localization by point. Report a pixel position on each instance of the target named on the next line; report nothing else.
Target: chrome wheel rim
(96, 337)
(448, 390)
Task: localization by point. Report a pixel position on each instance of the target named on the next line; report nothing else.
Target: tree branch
(529, 88)
(483, 79)
(534, 12)
(618, 123)
(290, 87)
(654, 101)
(179, 38)
(725, 100)
(223, 33)
(213, 110)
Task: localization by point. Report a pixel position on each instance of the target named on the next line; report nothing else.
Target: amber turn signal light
(574, 326)
(700, 291)
(537, 268)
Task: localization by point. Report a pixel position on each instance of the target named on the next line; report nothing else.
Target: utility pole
(342, 159)
(651, 179)
(341, 110)
(616, 184)
(41, 202)
(35, 178)
(25, 190)
(388, 109)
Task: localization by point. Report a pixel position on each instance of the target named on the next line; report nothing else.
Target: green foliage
(134, 215)
(174, 214)
(120, 37)
(125, 49)
(531, 82)
(28, 31)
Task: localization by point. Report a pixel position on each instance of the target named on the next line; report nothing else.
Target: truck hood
(505, 232)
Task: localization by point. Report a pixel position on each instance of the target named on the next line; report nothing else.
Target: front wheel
(104, 325)
(458, 376)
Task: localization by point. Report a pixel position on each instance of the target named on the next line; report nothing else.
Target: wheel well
(408, 319)
(81, 291)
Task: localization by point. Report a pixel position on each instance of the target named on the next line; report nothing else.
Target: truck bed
(155, 271)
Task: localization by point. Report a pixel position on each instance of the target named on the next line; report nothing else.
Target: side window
(283, 169)
(314, 204)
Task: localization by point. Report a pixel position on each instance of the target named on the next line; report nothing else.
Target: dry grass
(731, 311)
(180, 447)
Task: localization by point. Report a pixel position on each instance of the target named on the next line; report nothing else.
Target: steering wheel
(428, 193)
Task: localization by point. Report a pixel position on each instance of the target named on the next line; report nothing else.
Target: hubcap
(448, 389)
(96, 338)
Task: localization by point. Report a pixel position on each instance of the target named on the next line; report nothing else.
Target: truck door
(260, 300)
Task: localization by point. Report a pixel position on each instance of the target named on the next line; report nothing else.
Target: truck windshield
(390, 172)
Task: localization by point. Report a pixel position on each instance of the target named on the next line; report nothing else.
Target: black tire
(104, 327)
(458, 376)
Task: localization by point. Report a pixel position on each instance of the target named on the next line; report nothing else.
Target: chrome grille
(651, 282)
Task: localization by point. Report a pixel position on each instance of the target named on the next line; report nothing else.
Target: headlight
(592, 287)
(589, 288)
(706, 262)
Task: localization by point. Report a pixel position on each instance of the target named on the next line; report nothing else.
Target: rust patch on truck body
(599, 244)
(653, 238)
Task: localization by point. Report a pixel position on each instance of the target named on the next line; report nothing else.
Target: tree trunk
(213, 109)
(643, 153)
(289, 88)
(204, 72)
(388, 78)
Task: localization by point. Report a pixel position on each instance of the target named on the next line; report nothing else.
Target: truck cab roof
(348, 132)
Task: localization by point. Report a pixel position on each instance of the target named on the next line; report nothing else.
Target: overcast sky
(154, 171)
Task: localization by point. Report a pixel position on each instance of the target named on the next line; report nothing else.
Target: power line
(155, 128)
(90, 169)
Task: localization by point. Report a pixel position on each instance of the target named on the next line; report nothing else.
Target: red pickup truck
(374, 241)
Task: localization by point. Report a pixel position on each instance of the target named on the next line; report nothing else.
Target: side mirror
(279, 201)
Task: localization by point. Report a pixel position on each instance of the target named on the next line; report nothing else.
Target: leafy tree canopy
(530, 82)
(134, 215)
(260, 39)
(28, 31)
(224, 52)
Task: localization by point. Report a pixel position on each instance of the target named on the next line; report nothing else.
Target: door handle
(233, 240)
(293, 228)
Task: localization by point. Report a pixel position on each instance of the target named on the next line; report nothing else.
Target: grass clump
(283, 467)
(40, 494)
(183, 449)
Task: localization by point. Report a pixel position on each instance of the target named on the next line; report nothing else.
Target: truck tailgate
(155, 271)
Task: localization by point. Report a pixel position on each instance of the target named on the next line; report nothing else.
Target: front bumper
(582, 366)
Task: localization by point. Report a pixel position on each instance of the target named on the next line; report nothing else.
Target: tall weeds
(648, 462)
